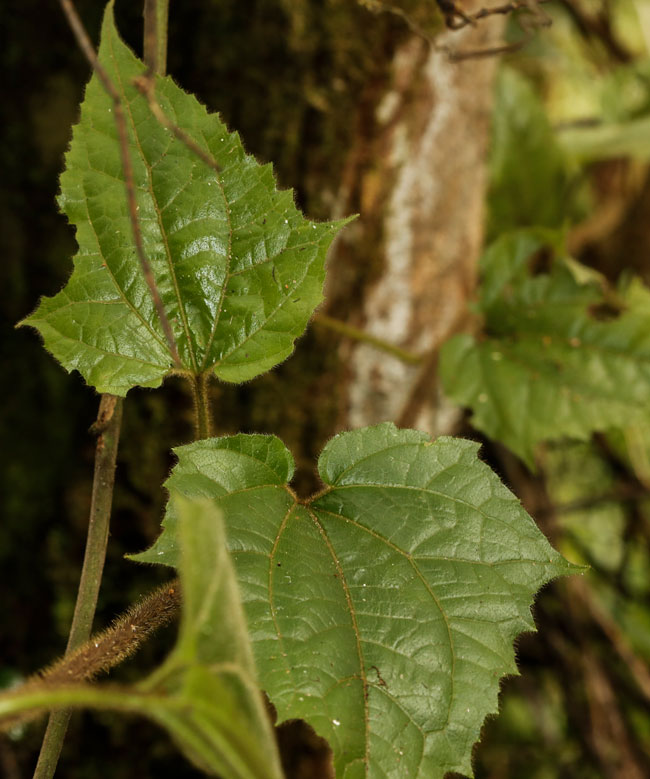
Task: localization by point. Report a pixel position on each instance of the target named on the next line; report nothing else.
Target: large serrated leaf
(238, 268)
(383, 610)
(561, 359)
(206, 693)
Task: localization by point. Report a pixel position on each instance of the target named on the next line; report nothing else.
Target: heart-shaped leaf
(561, 357)
(238, 268)
(383, 610)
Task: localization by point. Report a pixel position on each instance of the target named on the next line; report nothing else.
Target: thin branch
(107, 428)
(151, 36)
(108, 421)
(108, 648)
(146, 87)
(109, 418)
(529, 23)
(497, 10)
(120, 123)
(348, 331)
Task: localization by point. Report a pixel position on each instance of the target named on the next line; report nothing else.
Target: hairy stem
(107, 427)
(106, 649)
(202, 411)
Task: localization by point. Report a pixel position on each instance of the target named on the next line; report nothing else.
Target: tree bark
(423, 182)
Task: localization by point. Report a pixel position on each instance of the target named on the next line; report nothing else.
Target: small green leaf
(383, 610)
(561, 357)
(238, 268)
(205, 694)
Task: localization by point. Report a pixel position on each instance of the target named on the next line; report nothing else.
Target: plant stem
(156, 13)
(202, 412)
(127, 168)
(107, 427)
(109, 417)
(360, 335)
(106, 649)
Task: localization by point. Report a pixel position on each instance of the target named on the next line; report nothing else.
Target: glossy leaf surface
(206, 693)
(383, 610)
(238, 268)
(561, 357)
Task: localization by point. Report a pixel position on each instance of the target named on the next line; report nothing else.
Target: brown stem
(146, 87)
(127, 168)
(108, 648)
(533, 18)
(107, 425)
(156, 13)
(201, 398)
(109, 419)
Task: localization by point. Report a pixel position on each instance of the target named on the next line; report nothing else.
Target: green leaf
(238, 268)
(529, 179)
(561, 356)
(205, 694)
(382, 610)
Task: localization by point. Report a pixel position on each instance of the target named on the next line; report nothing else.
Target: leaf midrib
(105, 264)
(154, 199)
(357, 635)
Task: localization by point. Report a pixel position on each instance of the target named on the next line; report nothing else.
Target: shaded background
(328, 91)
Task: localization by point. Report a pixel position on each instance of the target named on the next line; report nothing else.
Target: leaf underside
(383, 610)
(561, 358)
(238, 268)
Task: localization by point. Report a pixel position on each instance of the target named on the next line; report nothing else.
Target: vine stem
(107, 427)
(156, 13)
(127, 167)
(109, 418)
(103, 650)
(348, 331)
(202, 411)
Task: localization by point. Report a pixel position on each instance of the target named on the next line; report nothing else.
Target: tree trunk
(421, 171)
